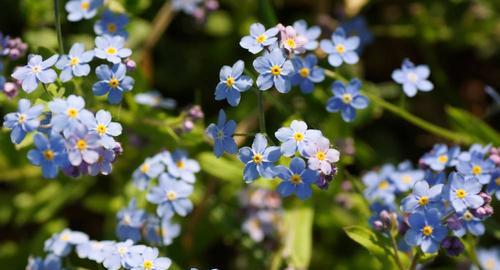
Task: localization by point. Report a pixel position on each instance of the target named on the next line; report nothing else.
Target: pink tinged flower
(321, 156)
(291, 41)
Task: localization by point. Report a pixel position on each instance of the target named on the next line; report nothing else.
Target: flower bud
(130, 64)
(378, 225)
(454, 223)
(452, 245)
(188, 125)
(10, 89)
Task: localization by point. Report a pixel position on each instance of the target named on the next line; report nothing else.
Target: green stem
(415, 259)
(58, 26)
(262, 115)
(419, 122)
(396, 253)
(244, 134)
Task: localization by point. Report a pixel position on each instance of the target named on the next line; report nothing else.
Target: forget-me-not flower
(405, 179)
(67, 114)
(23, 121)
(115, 255)
(358, 26)
(51, 262)
(346, 99)
(161, 232)
(61, 243)
(112, 24)
(147, 260)
(50, 154)
(93, 250)
(75, 63)
(469, 223)
(379, 185)
(274, 69)
(341, 48)
(426, 231)
(113, 81)
(101, 125)
(171, 196)
(222, 134)
(413, 78)
(103, 165)
(259, 159)
(187, 6)
(307, 73)
(259, 38)
(232, 83)
(130, 222)
(291, 41)
(149, 169)
(311, 34)
(463, 194)
(296, 137)
(477, 167)
(82, 9)
(320, 156)
(441, 157)
(494, 185)
(180, 166)
(422, 198)
(111, 48)
(489, 259)
(37, 70)
(82, 146)
(296, 179)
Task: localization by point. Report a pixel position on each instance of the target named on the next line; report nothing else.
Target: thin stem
(419, 122)
(262, 115)
(415, 259)
(244, 134)
(58, 26)
(396, 253)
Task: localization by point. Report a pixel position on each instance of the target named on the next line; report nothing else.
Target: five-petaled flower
(113, 81)
(311, 34)
(296, 179)
(423, 198)
(320, 156)
(477, 167)
(463, 194)
(147, 259)
(296, 137)
(23, 121)
(101, 125)
(340, 48)
(222, 134)
(82, 9)
(307, 73)
(50, 154)
(112, 24)
(346, 99)
(413, 78)
(111, 48)
(75, 63)
(259, 159)
(232, 83)
(171, 196)
(426, 231)
(274, 69)
(36, 71)
(259, 38)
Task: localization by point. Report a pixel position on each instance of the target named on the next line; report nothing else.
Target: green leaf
(366, 238)
(471, 125)
(298, 242)
(222, 168)
(267, 14)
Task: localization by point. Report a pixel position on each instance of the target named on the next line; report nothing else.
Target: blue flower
(171, 196)
(494, 185)
(82, 146)
(94, 250)
(379, 186)
(232, 82)
(23, 121)
(357, 26)
(307, 73)
(112, 24)
(222, 134)
(75, 63)
(426, 231)
(346, 99)
(147, 260)
(161, 232)
(488, 259)
(405, 179)
(296, 137)
(149, 169)
(413, 78)
(113, 81)
(477, 167)
(422, 198)
(187, 6)
(115, 258)
(320, 156)
(111, 48)
(312, 34)
(36, 71)
(103, 165)
(259, 159)
(51, 262)
(463, 193)
(474, 149)
(180, 166)
(67, 114)
(101, 125)
(82, 9)
(275, 70)
(469, 222)
(435, 178)
(61, 243)
(297, 179)
(154, 99)
(259, 38)
(340, 48)
(50, 154)
(441, 157)
(130, 222)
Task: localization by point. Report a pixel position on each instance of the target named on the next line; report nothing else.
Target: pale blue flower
(478, 168)
(259, 38)
(161, 232)
(180, 166)
(147, 260)
(23, 121)
(101, 125)
(82, 146)
(311, 34)
(111, 48)
(171, 196)
(61, 243)
(441, 157)
(75, 63)
(93, 250)
(51, 262)
(422, 198)
(347, 99)
(274, 69)
(113, 81)
(103, 165)
(112, 24)
(232, 83)
(296, 137)
(469, 223)
(50, 154)
(463, 194)
(307, 73)
(489, 259)
(115, 255)
(379, 185)
(130, 222)
(149, 169)
(259, 160)
(413, 78)
(341, 48)
(82, 9)
(36, 71)
(67, 114)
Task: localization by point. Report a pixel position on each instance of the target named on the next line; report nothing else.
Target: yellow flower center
(340, 48)
(257, 158)
(490, 264)
(261, 39)
(74, 61)
(406, 179)
(171, 195)
(460, 193)
(347, 98)
(497, 181)
(111, 27)
(424, 200)
(412, 77)
(383, 185)
(65, 237)
(122, 251)
(113, 83)
(296, 179)
(298, 136)
(304, 72)
(111, 50)
(443, 159)
(144, 168)
(22, 118)
(85, 5)
(101, 129)
(48, 154)
(290, 43)
(72, 113)
(275, 70)
(476, 169)
(230, 81)
(180, 164)
(148, 264)
(468, 216)
(427, 230)
(320, 155)
(81, 144)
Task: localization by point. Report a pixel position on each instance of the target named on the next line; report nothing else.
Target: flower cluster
(67, 137)
(448, 197)
(263, 213)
